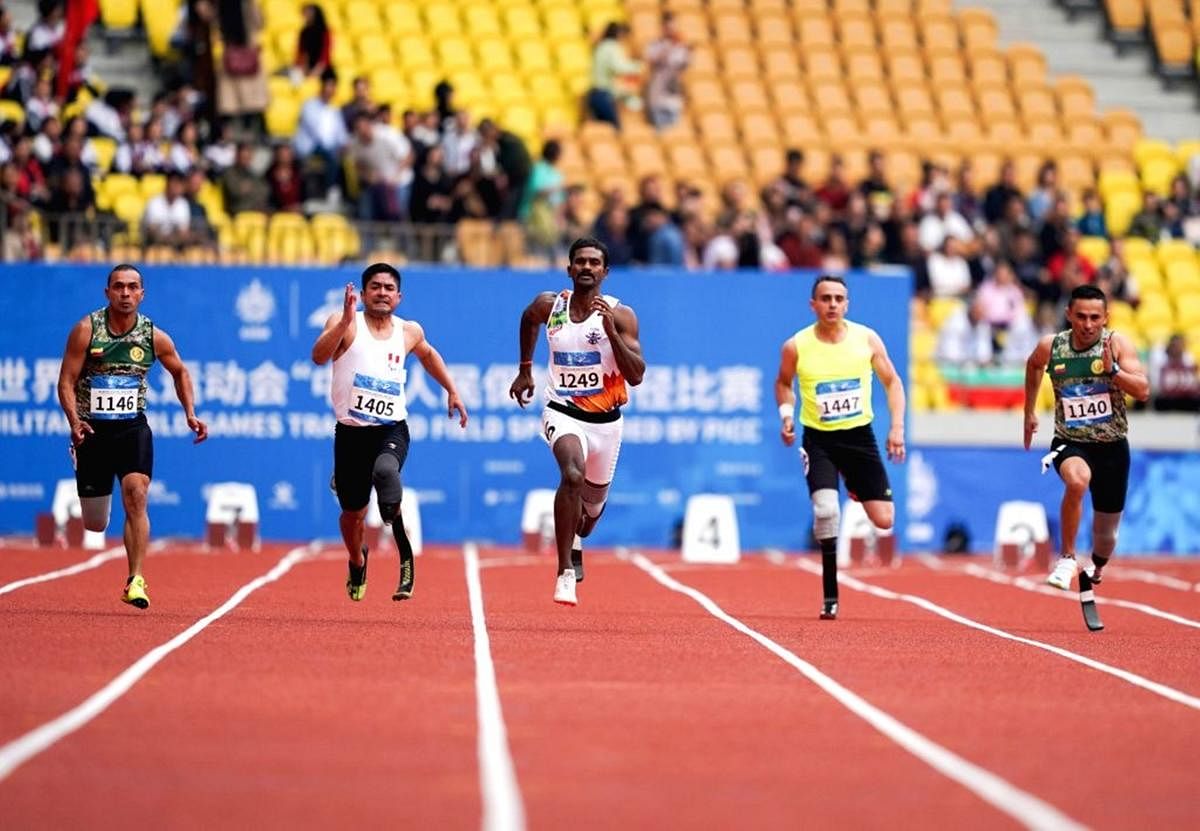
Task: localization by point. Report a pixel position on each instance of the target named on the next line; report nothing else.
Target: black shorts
(355, 450)
(115, 448)
(854, 454)
(1109, 463)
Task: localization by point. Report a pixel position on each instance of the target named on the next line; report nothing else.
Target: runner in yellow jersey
(1092, 369)
(102, 390)
(832, 362)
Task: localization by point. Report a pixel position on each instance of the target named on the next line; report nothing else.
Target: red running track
(636, 709)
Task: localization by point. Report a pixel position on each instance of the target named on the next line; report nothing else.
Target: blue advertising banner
(704, 420)
(945, 488)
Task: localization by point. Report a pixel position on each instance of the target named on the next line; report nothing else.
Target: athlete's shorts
(1109, 463)
(854, 454)
(598, 433)
(116, 448)
(355, 450)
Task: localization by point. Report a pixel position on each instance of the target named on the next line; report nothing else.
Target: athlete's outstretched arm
(627, 350)
(164, 350)
(431, 359)
(68, 376)
(886, 372)
(785, 397)
(1035, 368)
(338, 333)
(535, 314)
(1131, 378)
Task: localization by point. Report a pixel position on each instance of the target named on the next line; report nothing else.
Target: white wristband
(785, 411)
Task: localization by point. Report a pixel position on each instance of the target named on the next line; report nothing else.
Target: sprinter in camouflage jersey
(102, 390)
(1091, 369)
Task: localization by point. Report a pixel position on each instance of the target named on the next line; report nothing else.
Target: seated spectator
(612, 229)
(31, 180)
(72, 205)
(941, 223)
(1092, 223)
(220, 153)
(382, 160)
(1000, 304)
(47, 32)
(41, 105)
(964, 339)
(459, 139)
(1174, 378)
(835, 191)
(1148, 222)
(1113, 276)
(21, 243)
(283, 177)
(792, 182)
(70, 158)
(244, 190)
(314, 45)
(48, 142)
(665, 242)
(111, 115)
(10, 39)
(202, 232)
(512, 157)
(837, 255)
(360, 101)
(576, 222)
(799, 240)
(966, 196)
(667, 58)
(1045, 192)
(168, 216)
(184, 154)
(949, 273)
(430, 200)
(142, 153)
(995, 201)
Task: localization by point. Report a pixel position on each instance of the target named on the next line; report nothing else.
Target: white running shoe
(564, 588)
(1063, 574)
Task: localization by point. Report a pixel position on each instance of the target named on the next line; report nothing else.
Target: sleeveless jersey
(112, 383)
(582, 371)
(1087, 406)
(834, 378)
(368, 379)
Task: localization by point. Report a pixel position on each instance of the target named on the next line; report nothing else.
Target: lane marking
(87, 565)
(1038, 587)
(1005, 797)
(1165, 580)
(1155, 687)
(21, 750)
(502, 806)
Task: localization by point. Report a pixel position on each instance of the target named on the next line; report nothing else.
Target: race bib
(576, 373)
(113, 397)
(377, 400)
(1086, 404)
(839, 400)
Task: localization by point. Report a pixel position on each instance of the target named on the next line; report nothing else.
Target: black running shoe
(829, 610)
(356, 583)
(577, 563)
(405, 589)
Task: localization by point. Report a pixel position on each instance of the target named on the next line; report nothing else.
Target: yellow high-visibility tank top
(834, 378)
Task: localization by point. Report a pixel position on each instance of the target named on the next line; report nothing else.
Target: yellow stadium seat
(1026, 65)
(1095, 249)
(119, 14)
(856, 32)
(129, 207)
(414, 52)
(522, 22)
(988, 67)
(1187, 311)
(533, 56)
(282, 116)
(773, 29)
(360, 17)
(441, 19)
(1183, 277)
(1145, 149)
(863, 67)
(403, 19)
(947, 68)
(897, 33)
(978, 28)
(1075, 97)
(1173, 251)
(1185, 151)
(1123, 128)
(493, 54)
(159, 18)
(1157, 174)
(372, 50)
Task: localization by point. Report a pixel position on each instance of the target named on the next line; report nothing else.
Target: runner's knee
(95, 511)
(882, 514)
(825, 513)
(134, 489)
(594, 497)
(386, 477)
(572, 476)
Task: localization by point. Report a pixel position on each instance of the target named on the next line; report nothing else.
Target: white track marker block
(856, 536)
(231, 506)
(537, 519)
(1022, 533)
(710, 530)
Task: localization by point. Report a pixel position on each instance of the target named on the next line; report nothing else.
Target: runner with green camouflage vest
(102, 390)
(1092, 369)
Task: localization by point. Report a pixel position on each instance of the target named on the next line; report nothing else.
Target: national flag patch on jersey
(1059, 369)
(97, 350)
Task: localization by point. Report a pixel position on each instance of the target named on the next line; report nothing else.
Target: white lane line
(87, 565)
(1038, 587)
(1138, 681)
(20, 750)
(1005, 797)
(1166, 580)
(502, 806)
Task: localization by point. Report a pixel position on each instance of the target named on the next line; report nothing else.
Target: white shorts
(601, 442)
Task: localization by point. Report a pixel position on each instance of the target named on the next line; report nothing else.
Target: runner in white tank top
(370, 441)
(594, 354)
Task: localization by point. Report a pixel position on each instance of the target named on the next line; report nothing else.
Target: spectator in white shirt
(384, 168)
(949, 274)
(458, 140)
(943, 222)
(321, 131)
(168, 216)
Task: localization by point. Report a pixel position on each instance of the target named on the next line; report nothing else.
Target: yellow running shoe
(356, 582)
(135, 592)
